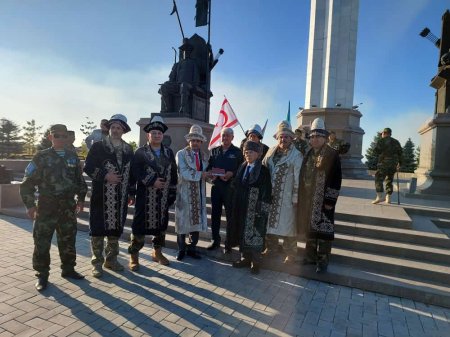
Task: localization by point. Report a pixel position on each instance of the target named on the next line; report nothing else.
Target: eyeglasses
(57, 136)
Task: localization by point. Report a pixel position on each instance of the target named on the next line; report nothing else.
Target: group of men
(268, 194)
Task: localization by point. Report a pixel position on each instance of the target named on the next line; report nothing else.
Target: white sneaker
(388, 199)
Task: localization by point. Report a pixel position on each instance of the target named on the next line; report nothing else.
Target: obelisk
(330, 77)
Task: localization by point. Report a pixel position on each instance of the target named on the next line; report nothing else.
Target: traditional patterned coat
(151, 215)
(320, 183)
(250, 204)
(109, 202)
(190, 205)
(285, 175)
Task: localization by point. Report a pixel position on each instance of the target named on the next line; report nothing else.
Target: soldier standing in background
(155, 171)
(108, 163)
(70, 141)
(299, 143)
(389, 153)
(57, 175)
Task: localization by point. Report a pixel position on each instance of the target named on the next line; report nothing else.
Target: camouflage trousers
(111, 249)
(384, 172)
(137, 242)
(289, 243)
(318, 251)
(54, 215)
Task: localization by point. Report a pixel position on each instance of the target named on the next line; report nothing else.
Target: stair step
(438, 240)
(392, 248)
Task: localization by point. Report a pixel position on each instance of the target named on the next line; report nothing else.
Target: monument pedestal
(178, 127)
(433, 174)
(345, 122)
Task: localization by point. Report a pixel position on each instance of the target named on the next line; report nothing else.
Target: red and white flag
(227, 119)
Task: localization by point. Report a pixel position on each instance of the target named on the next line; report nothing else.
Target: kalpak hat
(121, 119)
(284, 128)
(256, 129)
(195, 132)
(156, 123)
(318, 128)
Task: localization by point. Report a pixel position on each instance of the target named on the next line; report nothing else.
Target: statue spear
(175, 10)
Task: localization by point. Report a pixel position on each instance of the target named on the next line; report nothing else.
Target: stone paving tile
(192, 298)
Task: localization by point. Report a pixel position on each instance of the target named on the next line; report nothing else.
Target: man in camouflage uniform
(339, 145)
(389, 153)
(57, 174)
(299, 143)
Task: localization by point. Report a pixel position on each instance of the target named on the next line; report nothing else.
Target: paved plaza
(191, 298)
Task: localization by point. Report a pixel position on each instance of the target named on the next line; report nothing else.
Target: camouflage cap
(58, 128)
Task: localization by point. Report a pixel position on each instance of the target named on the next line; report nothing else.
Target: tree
(417, 156)
(45, 143)
(9, 138)
(134, 145)
(372, 158)
(408, 157)
(31, 136)
(88, 127)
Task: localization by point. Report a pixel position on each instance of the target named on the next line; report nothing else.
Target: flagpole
(208, 71)
(235, 114)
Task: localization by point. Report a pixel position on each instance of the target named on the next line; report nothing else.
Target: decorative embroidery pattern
(194, 192)
(319, 221)
(331, 193)
(151, 205)
(277, 193)
(251, 235)
(111, 200)
(124, 192)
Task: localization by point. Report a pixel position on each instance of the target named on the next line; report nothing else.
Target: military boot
(134, 262)
(378, 199)
(112, 251)
(97, 271)
(388, 199)
(158, 256)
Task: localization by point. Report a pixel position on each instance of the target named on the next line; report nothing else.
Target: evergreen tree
(31, 136)
(417, 156)
(9, 138)
(372, 158)
(408, 157)
(45, 143)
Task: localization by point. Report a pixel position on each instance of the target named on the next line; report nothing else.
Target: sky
(68, 62)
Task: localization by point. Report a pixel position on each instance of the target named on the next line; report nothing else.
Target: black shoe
(254, 269)
(242, 263)
(306, 262)
(321, 269)
(227, 250)
(213, 246)
(72, 274)
(193, 254)
(180, 255)
(41, 283)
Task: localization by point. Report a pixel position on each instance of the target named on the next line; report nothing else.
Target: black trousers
(219, 198)
(193, 240)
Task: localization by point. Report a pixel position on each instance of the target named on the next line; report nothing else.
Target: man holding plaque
(223, 164)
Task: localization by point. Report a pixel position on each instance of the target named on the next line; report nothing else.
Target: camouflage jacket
(54, 176)
(389, 152)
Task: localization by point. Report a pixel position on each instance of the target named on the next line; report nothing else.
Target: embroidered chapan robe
(190, 204)
(151, 215)
(285, 173)
(320, 183)
(109, 202)
(250, 204)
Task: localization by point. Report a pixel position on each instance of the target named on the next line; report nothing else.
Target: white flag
(227, 119)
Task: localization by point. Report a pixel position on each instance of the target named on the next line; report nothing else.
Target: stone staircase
(401, 251)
